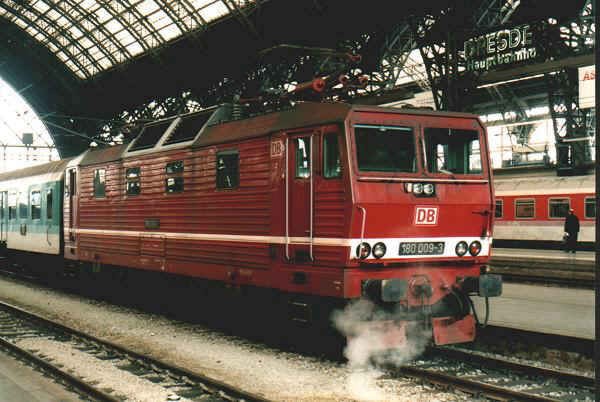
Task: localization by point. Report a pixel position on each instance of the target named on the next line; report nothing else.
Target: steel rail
(471, 386)
(496, 362)
(80, 385)
(230, 390)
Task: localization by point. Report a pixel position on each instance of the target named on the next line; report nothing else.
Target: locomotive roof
(37, 170)
(102, 155)
(303, 114)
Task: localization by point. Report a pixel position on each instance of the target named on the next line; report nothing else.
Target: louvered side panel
(329, 222)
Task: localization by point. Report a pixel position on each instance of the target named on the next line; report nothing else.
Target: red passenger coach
(317, 203)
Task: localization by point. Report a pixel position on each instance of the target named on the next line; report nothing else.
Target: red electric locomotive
(318, 202)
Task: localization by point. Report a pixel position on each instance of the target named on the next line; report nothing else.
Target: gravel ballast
(252, 366)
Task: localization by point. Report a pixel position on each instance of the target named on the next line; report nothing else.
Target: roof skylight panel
(90, 5)
(213, 11)
(53, 14)
(41, 6)
(170, 32)
(134, 48)
(124, 37)
(114, 26)
(105, 62)
(147, 7)
(102, 15)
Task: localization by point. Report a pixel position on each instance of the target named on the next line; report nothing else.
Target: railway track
(474, 373)
(17, 325)
(498, 379)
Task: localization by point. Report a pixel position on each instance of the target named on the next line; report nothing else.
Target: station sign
(587, 87)
(500, 48)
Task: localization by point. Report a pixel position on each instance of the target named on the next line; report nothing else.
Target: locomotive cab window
(35, 202)
(453, 151)
(524, 208)
(174, 180)
(388, 149)
(499, 212)
(228, 169)
(332, 166)
(590, 207)
(12, 205)
(99, 183)
(132, 181)
(558, 207)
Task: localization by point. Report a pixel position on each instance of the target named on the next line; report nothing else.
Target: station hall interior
(232, 191)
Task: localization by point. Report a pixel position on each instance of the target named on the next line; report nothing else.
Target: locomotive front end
(422, 220)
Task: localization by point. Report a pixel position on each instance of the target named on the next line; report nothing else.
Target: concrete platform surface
(580, 258)
(545, 309)
(22, 383)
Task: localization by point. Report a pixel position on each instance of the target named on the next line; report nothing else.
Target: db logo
(426, 215)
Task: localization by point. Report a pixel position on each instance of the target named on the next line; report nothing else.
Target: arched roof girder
(92, 36)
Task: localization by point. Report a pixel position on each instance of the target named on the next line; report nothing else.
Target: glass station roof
(91, 36)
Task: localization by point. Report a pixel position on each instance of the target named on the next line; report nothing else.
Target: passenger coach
(320, 202)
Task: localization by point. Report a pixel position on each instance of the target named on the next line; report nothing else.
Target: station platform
(19, 382)
(545, 309)
(555, 265)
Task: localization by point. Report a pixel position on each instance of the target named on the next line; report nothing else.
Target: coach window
(590, 207)
(12, 205)
(499, 209)
(174, 180)
(228, 169)
(99, 183)
(23, 207)
(525, 208)
(132, 177)
(35, 202)
(49, 204)
(558, 207)
(332, 166)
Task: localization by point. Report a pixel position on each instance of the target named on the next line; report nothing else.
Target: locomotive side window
(385, 148)
(453, 151)
(302, 157)
(99, 183)
(590, 207)
(332, 166)
(49, 204)
(524, 208)
(499, 213)
(35, 202)
(12, 205)
(558, 207)
(174, 183)
(132, 178)
(228, 169)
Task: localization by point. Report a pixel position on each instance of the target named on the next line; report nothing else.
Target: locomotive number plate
(422, 248)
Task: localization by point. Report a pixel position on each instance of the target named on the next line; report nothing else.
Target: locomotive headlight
(418, 188)
(461, 248)
(428, 188)
(379, 250)
(363, 250)
(475, 248)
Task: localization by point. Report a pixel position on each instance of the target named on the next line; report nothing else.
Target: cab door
(3, 216)
(70, 213)
(299, 197)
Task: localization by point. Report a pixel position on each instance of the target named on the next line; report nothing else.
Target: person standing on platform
(572, 230)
